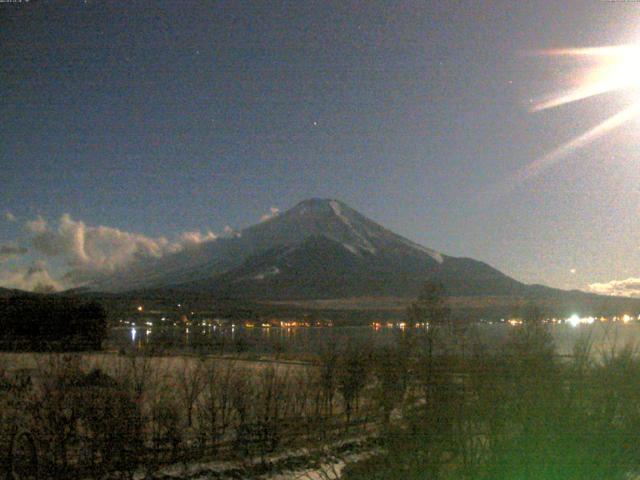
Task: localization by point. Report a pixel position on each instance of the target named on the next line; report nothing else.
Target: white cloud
(39, 225)
(231, 232)
(94, 248)
(10, 251)
(9, 217)
(629, 287)
(34, 278)
(188, 239)
(273, 211)
(90, 252)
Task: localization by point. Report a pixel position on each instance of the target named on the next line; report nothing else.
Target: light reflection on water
(602, 336)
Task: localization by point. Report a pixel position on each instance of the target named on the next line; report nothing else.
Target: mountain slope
(320, 267)
(325, 249)
(318, 249)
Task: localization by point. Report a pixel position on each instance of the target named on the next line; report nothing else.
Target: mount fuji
(323, 254)
(321, 248)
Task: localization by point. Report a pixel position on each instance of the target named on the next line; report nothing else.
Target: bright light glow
(612, 68)
(626, 318)
(573, 320)
(133, 334)
(608, 69)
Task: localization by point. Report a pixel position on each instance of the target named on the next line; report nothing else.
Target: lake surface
(224, 340)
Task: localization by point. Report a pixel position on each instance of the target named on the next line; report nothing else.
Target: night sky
(132, 123)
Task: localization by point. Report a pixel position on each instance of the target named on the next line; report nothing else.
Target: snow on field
(327, 468)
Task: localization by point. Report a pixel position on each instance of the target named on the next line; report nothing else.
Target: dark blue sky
(164, 117)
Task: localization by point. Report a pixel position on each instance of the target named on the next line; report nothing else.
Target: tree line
(46, 322)
(509, 410)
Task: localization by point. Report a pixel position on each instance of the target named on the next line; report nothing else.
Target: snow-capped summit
(337, 221)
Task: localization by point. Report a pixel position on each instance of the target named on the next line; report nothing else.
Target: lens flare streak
(541, 164)
(611, 68)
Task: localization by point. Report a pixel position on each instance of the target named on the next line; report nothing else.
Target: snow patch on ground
(312, 465)
(329, 470)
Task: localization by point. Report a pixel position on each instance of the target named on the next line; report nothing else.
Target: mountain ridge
(341, 237)
(323, 249)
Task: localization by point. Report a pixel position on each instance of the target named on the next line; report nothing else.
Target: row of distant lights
(402, 325)
(575, 320)
(163, 319)
(140, 308)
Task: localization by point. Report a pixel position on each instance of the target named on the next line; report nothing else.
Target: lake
(299, 340)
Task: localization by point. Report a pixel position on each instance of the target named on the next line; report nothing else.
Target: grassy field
(97, 412)
(112, 362)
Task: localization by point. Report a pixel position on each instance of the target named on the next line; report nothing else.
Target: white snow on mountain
(267, 273)
(366, 245)
(351, 248)
(437, 256)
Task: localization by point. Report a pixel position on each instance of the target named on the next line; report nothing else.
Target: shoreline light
(574, 320)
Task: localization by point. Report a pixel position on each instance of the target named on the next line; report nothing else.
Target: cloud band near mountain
(629, 287)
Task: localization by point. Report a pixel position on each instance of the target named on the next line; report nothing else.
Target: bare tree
(390, 369)
(136, 371)
(215, 407)
(328, 365)
(190, 380)
(430, 307)
(353, 369)
(208, 408)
